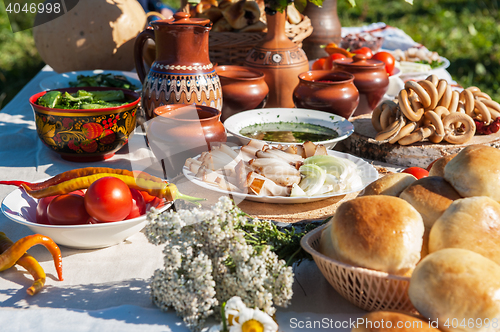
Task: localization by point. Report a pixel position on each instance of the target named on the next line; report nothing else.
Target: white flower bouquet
(209, 258)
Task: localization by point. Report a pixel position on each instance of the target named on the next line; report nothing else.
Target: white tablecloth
(107, 289)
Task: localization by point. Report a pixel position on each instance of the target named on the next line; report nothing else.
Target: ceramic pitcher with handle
(182, 72)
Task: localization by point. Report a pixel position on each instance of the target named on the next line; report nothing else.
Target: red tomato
(328, 65)
(417, 172)
(41, 210)
(67, 209)
(389, 60)
(108, 199)
(318, 64)
(364, 50)
(138, 206)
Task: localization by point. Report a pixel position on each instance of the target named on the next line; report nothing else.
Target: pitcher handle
(140, 41)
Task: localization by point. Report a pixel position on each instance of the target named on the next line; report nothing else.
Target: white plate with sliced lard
(284, 174)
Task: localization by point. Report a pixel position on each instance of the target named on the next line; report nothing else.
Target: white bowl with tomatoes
(106, 219)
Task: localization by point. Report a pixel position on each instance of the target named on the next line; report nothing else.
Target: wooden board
(362, 143)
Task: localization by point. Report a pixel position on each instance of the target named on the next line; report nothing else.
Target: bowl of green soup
(289, 126)
(85, 124)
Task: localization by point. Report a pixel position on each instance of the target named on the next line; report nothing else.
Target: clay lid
(181, 18)
(360, 60)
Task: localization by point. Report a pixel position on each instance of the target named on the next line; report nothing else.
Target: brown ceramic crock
(243, 89)
(179, 132)
(328, 91)
(370, 78)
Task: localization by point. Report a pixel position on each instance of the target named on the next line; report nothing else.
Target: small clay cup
(370, 78)
(180, 131)
(328, 91)
(243, 89)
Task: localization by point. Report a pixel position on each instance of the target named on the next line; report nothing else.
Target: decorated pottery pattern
(170, 88)
(276, 57)
(91, 135)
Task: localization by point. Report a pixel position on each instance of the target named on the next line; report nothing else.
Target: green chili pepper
(50, 99)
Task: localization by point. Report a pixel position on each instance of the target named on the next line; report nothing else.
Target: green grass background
(466, 32)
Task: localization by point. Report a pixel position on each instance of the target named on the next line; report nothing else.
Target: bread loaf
(431, 196)
(391, 184)
(457, 284)
(475, 171)
(383, 233)
(471, 223)
(325, 243)
(437, 169)
(388, 321)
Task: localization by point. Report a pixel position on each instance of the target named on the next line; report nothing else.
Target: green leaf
(353, 2)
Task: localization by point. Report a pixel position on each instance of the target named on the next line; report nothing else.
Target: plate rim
(23, 221)
(51, 78)
(279, 199)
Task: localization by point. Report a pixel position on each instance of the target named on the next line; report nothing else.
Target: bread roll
(222, 26)
(383, 233)
(437, 169)
(431, 196)
(475, 171)
(471, 223)
(456, 284)
(325, 243)
(387, 321)
(256, 27)
(391, 184)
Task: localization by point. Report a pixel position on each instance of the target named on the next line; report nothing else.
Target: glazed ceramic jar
(178, 132)
(243, 89)
(370, 78)
(328, 91)
(182, 72)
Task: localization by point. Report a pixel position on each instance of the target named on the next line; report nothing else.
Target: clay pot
(280, 60)
(243, 89)
(182, 72)
(328, 91)
(179, 132)
(370, 78)
(326, 28)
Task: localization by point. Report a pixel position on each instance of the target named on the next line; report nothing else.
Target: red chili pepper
(15, 183)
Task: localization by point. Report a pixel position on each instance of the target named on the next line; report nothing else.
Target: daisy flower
(254, 320)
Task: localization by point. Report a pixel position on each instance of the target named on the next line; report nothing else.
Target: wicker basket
(231, 48)
(368, 289)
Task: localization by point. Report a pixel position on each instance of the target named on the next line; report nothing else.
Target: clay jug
(326, 28)
(182, 72)
(280, 60)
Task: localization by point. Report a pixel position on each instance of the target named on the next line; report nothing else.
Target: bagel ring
(376, 118)
(454, 101)
(385, 117)
(417, 136)
(483, 110)
(468, 99)
(424, 97)
(493, 107)
(433, 93)
(391, 131)
(405, 131)
(404, 105)
(436, 121)
(452, 135)
(446, 99)
(441, 87)
(481, 95)
(473, 89)
(433, 78)
(441, 111)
